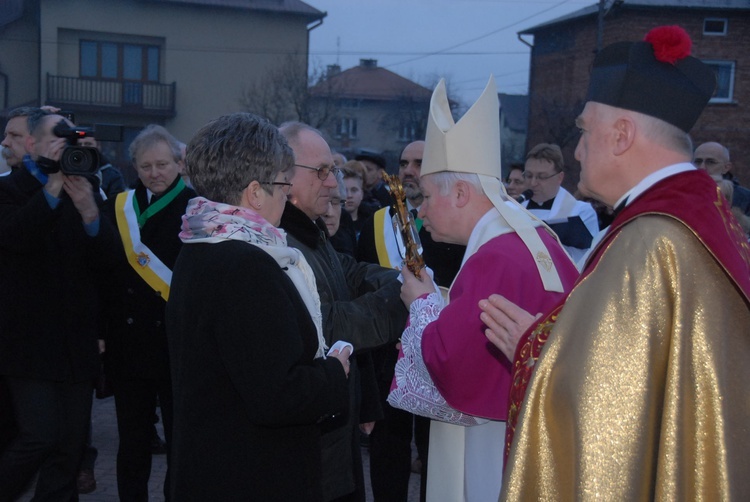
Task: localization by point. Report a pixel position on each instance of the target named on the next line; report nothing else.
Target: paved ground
(105, 439)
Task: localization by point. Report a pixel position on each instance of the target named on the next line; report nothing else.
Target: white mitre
(473, 146)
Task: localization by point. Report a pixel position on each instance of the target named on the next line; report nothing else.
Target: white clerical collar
(477, 230)
(652, 179)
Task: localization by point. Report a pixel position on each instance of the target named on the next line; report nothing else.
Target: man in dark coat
(376, 191)
(55, 245)
(137, 360)
(360, 301)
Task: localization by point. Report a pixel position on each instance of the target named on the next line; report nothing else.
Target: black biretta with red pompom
(657, 77)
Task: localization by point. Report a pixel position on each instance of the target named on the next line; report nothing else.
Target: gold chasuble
(641, 389)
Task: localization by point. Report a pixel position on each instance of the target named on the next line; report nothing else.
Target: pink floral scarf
(213, 222)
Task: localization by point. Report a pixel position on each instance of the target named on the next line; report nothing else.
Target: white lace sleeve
(414, 390)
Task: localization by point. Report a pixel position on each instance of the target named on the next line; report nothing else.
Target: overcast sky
(461, 40)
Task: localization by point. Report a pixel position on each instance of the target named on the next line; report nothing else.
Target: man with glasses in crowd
(360, 302)
(574, 221)
(713, 158)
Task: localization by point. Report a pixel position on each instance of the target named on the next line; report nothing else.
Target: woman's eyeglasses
(285, 187)
(323, 172)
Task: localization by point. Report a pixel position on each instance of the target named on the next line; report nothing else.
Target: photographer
(54, 247)
(110, 179)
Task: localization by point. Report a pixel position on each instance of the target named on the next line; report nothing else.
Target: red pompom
(671, 43)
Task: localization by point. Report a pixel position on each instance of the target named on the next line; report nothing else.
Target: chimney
(332, 70)
(368, 63)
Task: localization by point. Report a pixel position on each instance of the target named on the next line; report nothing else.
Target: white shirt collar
(652, 179)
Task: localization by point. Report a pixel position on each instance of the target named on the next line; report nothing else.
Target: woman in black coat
(251, 383)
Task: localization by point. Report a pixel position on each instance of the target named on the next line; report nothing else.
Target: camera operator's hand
(53, 150)
(82, 194)
(54, 184)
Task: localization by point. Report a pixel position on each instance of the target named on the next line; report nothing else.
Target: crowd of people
(257, 286)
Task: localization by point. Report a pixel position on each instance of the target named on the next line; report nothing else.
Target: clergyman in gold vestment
(641, 389)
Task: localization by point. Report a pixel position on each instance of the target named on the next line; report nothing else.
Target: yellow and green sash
(129, 222)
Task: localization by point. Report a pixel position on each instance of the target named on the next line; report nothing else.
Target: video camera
(84, 160)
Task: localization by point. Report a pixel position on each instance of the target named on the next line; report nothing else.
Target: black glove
(47, 166)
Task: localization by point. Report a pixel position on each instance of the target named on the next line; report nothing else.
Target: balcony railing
(114, 96)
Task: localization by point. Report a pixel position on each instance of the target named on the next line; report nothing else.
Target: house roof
(368, 81)
(11, 11)
(295, 7)
(515, 108)
(734, 5)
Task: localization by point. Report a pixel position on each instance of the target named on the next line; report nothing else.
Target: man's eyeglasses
(708, 162)
(285, 187)
(323, 171)
(540, 177)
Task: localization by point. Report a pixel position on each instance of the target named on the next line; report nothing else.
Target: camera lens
(79, 160)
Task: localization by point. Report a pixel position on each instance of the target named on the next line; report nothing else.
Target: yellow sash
(141, 258)
(380, 247)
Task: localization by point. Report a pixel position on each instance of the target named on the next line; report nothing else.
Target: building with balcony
(178, 63)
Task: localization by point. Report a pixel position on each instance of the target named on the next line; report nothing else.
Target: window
(121, 61)
(350, 103)
(724, 81)
(408, 131)
(346, 128)
(714, 26)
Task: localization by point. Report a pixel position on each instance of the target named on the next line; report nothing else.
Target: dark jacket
(741, 198)
(48, 271)
(360, 303)
(136, 340)
(112, 181)
(345, 239)
(248, 393)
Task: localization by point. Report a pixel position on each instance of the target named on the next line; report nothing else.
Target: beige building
(178, 63)
(375, 110)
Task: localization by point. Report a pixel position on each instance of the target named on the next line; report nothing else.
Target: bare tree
(559, 120)
(283, 94)
(407, 116)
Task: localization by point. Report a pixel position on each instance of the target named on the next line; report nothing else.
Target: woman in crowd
(251, 382)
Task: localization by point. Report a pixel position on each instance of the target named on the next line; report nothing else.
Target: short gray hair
(665, 133)
(292, 130)
(229, 153)
(151, 135)
(33, 116)
(341, 185)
